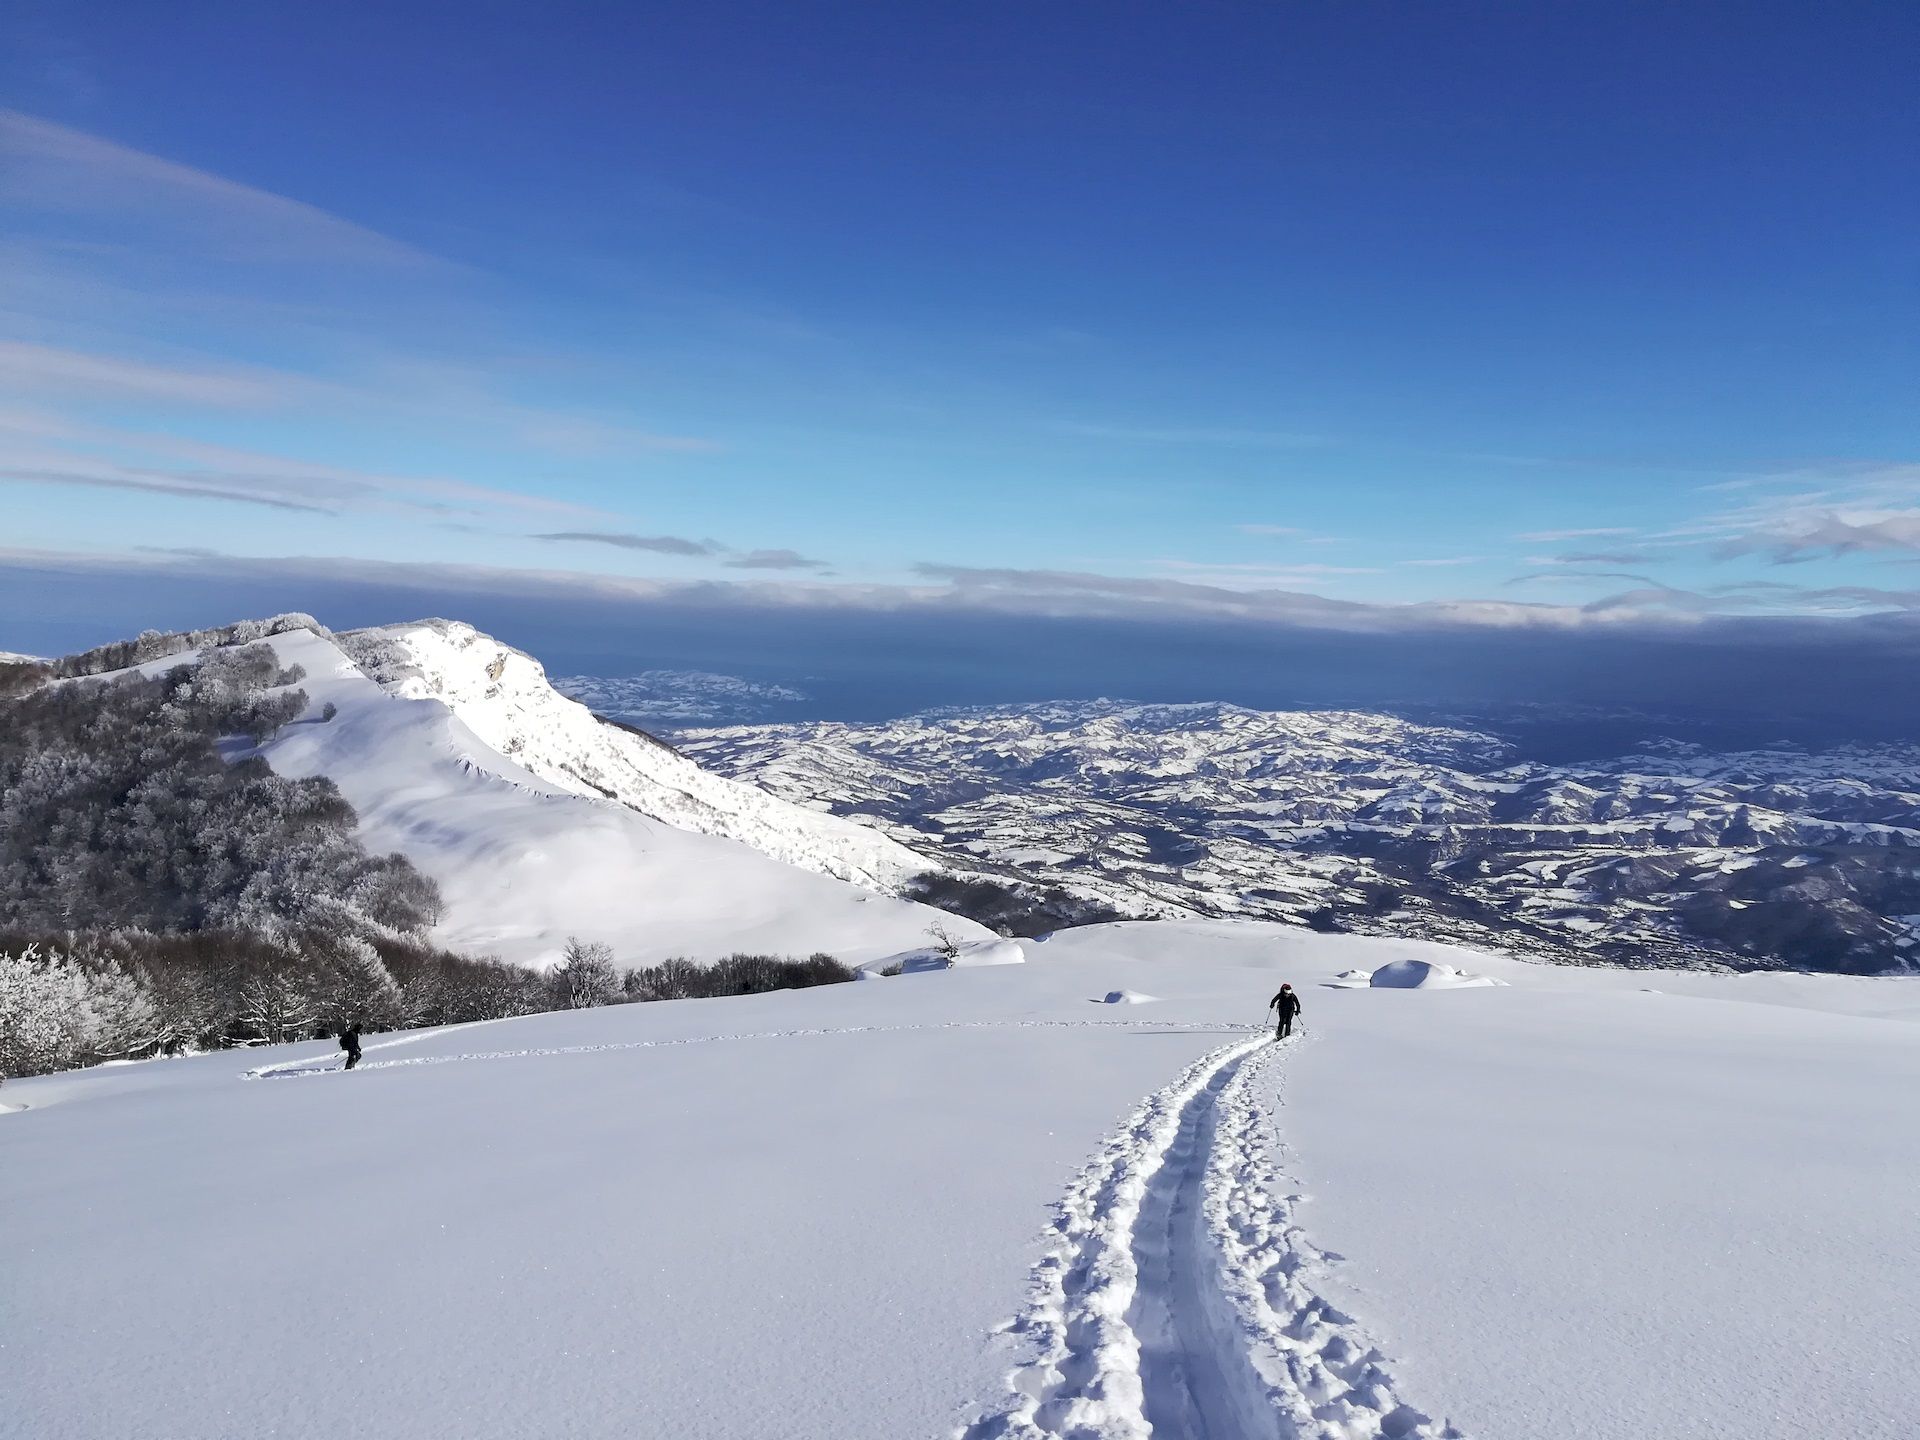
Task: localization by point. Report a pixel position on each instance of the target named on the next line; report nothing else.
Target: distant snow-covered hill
(1371, 822)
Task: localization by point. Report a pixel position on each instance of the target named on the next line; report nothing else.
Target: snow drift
(927, 960)
(1425, 975)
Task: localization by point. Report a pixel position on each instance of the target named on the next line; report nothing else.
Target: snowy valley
(1671, 854)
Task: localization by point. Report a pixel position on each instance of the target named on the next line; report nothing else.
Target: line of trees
(86, 997)
(587, 975)
(1007, 909)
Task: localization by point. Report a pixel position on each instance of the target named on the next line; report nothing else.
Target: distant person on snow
(1287, 1005)
(350, 1042)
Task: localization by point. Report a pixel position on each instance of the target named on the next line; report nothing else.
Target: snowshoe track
(1175, 1298)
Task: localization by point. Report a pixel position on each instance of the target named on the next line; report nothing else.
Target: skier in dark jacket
(1287, 1005)
(350, 1042)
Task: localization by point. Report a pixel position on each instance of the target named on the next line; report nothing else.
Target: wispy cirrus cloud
(655, 544)
(776, 560)
(1562, 577)
(1844, 508)
(1616, 558)
(31, 368)
(157, 482)
(42, 448)
(790, 560)
(1815, 535)
(53, 167)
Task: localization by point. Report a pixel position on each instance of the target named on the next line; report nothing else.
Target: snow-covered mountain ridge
(503, 696)
(538, 822)
(1372, 822)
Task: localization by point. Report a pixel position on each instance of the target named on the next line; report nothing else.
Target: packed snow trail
(331, 1064)
(311, 1065)
(1175, 1300)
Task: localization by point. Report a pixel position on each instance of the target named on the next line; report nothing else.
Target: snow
(523, 862)
(502, 695)
(1127, 997)
(1425, 975)
(1276, 815)
(971, 1202)
(928, 960)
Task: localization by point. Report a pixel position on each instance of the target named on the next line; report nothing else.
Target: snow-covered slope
(502, 696)
(524, 862)
(1564, 1208)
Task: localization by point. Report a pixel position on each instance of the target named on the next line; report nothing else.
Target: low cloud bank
(977, 637)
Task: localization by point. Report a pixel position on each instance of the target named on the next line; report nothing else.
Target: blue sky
(1567, 315)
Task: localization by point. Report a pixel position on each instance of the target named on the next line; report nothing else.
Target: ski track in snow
(1175, 1297)
(308, 1065)
(332, 1065)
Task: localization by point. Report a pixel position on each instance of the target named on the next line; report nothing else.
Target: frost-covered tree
(124, 1017)
(118, 808)
(275, 1007)
(56, 1012)
(359, 987)
(37, 1031)
(586, 975)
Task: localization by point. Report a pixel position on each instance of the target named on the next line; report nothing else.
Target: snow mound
(1126, 997)
(1426, 975)
(1351, 980)
(966, 957)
